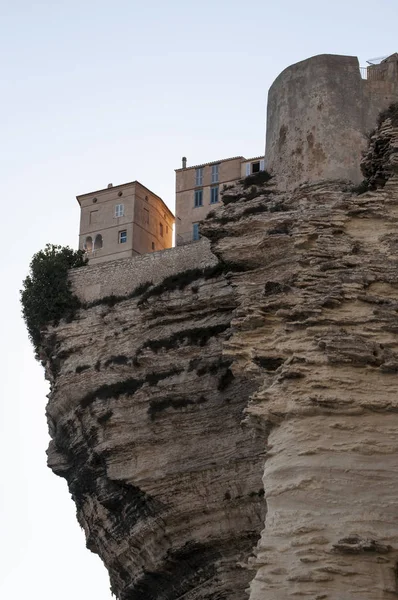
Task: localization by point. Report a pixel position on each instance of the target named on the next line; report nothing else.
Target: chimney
(184, 162)
(110, 185)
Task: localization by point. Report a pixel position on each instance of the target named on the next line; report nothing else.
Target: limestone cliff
(172, 411)
(145, 416)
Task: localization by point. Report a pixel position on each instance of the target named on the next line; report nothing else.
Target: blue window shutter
(195, 231)
(214, 195)
(247, 169)
(198, 198)
(262, 165)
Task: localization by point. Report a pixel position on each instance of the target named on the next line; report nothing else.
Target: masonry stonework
(122, 276)
(319, 112)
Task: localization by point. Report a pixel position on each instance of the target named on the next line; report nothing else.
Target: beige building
(198, 190)
(122, 221)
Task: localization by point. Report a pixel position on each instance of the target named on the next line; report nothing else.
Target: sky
(101, 92)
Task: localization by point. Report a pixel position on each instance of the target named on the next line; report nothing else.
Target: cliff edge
(231, 431)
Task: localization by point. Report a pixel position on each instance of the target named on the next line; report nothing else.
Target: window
(93, 216)
(195, 232)
(199, 176)
(122, 237)
(88, 244)
(254, 167)
(161, 229)
(146, 216)
(119, 210)
(198, 198)
(98, 243)
(167, 229)
(214, 173)
(214, 195)
(153, 245)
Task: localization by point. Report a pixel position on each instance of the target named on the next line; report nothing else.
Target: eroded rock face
(380, 161)
(318, 315)
(297, 339)
(146, 420)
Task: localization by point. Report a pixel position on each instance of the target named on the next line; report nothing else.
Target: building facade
(198, 191)
(123, 221)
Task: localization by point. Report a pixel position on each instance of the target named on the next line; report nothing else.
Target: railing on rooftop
(374, 72)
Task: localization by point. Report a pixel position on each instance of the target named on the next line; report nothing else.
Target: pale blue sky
(99, 92)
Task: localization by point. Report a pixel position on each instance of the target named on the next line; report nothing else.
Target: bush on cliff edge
(46, 296)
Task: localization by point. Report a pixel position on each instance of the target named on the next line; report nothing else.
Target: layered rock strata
(145, 416)
(317, 316)
(295, 334)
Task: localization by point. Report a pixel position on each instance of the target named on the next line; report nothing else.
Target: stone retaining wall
(124, 275)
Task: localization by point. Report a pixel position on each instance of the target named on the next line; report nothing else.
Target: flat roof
(122, 185)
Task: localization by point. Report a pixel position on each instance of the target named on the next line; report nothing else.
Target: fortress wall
(122, 276)
(319, 111)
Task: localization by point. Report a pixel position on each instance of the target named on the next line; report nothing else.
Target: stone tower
(319, 112)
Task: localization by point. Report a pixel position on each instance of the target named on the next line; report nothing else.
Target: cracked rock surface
(176, 421)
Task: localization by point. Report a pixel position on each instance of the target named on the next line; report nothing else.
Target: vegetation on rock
(378, 163)
(390, 113)
(46, 296)
(256, 179)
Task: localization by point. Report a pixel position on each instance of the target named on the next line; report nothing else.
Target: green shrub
(256, 179)
(46, 296)
(390, 113)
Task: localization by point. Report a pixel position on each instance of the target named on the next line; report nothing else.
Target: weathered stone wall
(124, 275)
(319, 112)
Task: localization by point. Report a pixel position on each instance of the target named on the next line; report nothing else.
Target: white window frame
(119, 211)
